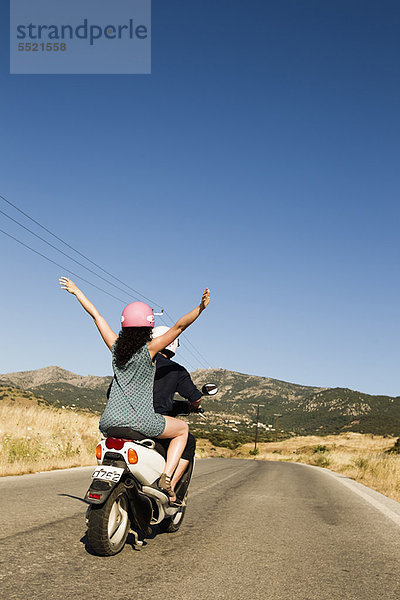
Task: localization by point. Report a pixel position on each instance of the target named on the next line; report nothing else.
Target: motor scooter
(124, 497)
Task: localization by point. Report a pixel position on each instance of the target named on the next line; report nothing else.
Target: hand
(205, 299)
(67, 284)
(194, 406)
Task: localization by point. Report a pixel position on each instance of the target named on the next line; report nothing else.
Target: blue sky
(260, 158)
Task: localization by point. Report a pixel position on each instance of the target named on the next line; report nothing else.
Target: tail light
(132, 456)
(114, 443)
(98, 451)
(95, 496)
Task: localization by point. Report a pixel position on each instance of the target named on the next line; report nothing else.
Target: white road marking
(208, 487)
(388, 507)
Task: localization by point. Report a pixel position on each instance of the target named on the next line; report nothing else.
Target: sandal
(164, 484)
(176, 503)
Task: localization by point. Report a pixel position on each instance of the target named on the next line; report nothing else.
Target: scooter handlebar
(184, 408)
(198, 410)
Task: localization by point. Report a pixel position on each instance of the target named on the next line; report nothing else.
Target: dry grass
(358, 456)
(39, 438)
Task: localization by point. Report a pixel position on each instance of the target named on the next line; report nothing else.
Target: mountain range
(302, 409)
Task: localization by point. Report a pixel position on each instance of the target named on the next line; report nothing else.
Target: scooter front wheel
(108, 523)
(172, 524)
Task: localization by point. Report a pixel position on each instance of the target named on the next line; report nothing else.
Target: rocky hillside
(61, 387)
(49, 375)
(303, 409)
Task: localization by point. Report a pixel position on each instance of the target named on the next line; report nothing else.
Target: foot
(175, 503)
(164, 484)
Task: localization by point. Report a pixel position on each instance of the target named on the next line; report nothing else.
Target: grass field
(40, 438)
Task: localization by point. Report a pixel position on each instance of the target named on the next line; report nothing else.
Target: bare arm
(105, 330)
(167, 338)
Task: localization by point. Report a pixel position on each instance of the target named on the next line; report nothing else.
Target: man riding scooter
(171, 378)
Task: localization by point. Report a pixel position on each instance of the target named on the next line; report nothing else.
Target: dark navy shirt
(171, 377)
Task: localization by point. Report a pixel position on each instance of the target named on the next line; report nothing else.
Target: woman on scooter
(131, 396)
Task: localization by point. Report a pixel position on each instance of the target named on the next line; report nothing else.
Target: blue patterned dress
(131, 396)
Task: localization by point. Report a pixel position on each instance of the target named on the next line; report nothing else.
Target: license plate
(108, 473)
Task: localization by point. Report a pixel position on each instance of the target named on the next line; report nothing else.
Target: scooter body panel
(149, 466)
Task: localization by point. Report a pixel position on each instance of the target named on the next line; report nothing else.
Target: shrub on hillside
(320, 449)
(224, 440)
(319, 460)
(361, 463)
(395, 449)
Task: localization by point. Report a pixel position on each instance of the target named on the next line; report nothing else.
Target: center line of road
(208, 487)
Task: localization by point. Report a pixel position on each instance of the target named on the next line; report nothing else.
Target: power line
(188, 350)
(77, 251)
(186, 359)
(61, 252)
(80, 264)
(75, 275)
(205, 362)
(61, 266)
(202, 359)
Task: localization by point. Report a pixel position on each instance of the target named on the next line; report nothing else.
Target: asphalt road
(252, 530)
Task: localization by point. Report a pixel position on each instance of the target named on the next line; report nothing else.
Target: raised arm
(105, 330)
(167, 338)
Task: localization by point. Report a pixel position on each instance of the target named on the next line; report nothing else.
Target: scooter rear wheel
(109, 524)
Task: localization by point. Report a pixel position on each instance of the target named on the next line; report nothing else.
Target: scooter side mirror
(209, 389)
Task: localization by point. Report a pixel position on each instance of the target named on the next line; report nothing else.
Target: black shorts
(190, 448)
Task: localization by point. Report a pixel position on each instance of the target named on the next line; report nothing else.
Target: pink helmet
(137, 314)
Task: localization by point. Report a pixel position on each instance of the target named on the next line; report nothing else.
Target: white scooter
(124, 496)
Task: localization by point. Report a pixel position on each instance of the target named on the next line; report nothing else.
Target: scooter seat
(127, 433)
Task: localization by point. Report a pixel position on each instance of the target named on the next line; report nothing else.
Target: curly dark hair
(130, 341)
